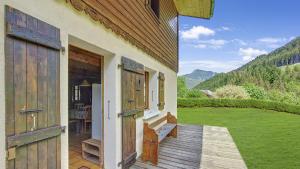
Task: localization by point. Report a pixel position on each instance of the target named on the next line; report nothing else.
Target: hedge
(241, 103)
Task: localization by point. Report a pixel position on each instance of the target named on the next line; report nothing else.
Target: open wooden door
(32, 92)
(133, 80)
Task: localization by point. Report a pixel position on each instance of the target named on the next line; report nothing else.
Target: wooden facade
(137, 23)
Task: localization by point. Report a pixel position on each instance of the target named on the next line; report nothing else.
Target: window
(155, 7)
(76, 93)
(146, 90)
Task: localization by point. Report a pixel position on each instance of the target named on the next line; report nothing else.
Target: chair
(78, 106)
(87, 119)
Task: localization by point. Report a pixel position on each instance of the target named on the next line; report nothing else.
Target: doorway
(85, 109)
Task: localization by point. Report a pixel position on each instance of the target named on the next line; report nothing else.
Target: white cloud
(225, 28)
(211, 65)
(196, 31)
(212, 43)
(249, 54)
(185, 26)
(200, 46)
(292, 38)
(271, 40)
(218, 42)
(239, 41)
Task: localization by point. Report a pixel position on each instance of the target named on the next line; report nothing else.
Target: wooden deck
(183, 152)
(207, 147)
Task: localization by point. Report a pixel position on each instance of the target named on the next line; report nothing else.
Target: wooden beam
(84, 56)
(34, 136)
(31, 32)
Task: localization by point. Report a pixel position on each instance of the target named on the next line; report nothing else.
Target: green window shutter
(139, 94)
(133, 80)
(161, 91)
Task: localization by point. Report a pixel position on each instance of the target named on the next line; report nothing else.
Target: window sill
(150, 114)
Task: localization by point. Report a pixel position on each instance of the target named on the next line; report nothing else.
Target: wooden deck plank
(178, 153)
(197, 147)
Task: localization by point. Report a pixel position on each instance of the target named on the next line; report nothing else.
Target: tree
(181, 87)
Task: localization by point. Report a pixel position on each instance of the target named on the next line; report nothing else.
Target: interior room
(85, 109)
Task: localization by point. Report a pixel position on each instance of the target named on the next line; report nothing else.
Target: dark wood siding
(135, 21)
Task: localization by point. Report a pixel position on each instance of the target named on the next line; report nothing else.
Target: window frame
(155, 7)
(76, 93)
(146, 91)
(151, 11)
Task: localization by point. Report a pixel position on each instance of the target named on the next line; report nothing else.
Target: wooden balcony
(197, 147)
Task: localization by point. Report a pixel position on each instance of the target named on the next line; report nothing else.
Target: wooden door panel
(20, 98)
(42, 66)
(51, 153)
(132, 103)
(32, 92)
(9, 92)
(31, 100)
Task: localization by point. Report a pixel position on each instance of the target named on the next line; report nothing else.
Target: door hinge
(130, 100)
(120, 163)
(11, 153)
(63, 129)
(120, 114)
(120, 65)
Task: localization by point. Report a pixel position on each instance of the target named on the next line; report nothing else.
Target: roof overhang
(195, 8)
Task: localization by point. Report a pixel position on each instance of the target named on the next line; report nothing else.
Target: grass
(290, 66)
(266, 139)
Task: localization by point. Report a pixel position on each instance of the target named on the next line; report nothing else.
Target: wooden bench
(153, 136)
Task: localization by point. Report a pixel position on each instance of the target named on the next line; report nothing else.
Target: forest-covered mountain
(197, 76)
(276, 75)
(286, 55)
(262, 71)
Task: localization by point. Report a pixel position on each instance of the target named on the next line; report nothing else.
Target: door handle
(34, 122)
(24, 110)
(108, 109)
(131, 100)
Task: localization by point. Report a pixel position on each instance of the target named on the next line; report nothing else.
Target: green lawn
(266, 139)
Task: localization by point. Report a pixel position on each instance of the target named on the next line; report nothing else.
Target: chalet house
(79, 78)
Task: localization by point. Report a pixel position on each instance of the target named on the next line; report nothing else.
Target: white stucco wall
(78, 29)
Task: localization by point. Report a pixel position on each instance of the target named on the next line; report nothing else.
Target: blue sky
(239, 31)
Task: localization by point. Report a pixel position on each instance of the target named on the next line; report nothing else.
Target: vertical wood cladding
(135, 21)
